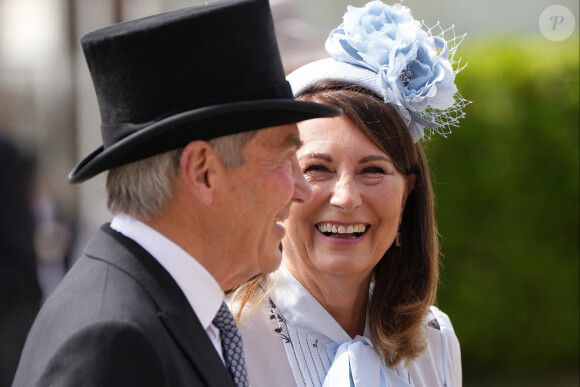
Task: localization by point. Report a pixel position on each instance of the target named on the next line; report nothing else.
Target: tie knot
(223, 320)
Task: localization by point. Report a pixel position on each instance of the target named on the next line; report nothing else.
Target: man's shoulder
(96, 289)
(93, 291)
(97, 315)
(96, 354)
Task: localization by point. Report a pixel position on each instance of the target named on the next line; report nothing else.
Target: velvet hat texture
(196, 73)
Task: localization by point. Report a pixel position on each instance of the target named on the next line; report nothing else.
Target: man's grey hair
(143, 189)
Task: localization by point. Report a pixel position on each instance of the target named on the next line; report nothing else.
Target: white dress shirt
(291, 340)
(191, 277)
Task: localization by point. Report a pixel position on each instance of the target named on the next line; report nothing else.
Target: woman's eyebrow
(368, 158)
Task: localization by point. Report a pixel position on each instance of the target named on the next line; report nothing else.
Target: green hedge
(506, 186)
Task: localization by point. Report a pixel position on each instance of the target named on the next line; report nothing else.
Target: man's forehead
(286, 136)
(292, 140)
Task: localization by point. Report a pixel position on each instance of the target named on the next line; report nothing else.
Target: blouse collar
(305, 312)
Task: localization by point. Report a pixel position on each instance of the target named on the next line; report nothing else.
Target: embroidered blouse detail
(309, 356)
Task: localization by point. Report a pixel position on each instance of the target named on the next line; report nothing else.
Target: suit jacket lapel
(174, 310)
(199, 349)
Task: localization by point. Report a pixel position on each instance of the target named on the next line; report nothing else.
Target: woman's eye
(315, 168)
(374, 170)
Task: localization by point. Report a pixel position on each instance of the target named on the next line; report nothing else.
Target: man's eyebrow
(366, 159)
(321, 156)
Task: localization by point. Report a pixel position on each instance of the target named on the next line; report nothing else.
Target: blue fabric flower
(414, 69)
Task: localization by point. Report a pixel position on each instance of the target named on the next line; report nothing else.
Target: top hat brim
(200, 124)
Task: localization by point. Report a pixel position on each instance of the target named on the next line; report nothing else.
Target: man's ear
(197, 168)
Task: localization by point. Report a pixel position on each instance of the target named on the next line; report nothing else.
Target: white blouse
(291, 340)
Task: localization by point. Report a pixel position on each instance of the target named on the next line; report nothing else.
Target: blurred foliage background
(506, 186)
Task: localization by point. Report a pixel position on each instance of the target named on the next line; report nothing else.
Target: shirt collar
(199, 287)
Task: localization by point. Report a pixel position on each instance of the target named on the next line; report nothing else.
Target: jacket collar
(174, 310)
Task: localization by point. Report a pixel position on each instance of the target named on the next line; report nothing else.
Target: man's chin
(271, 261)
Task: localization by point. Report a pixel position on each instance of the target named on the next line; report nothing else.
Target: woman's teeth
(342, 231)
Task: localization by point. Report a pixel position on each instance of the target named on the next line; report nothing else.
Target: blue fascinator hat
(409, 65)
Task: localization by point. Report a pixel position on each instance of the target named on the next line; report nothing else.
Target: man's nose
(302, 190)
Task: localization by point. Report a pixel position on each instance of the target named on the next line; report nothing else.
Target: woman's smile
(342, 230)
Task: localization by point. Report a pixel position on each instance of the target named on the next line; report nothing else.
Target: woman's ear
(197, 167)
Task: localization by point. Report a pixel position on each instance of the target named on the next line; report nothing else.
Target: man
(199, 138)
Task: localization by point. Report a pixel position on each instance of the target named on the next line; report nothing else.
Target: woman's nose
(345, 194)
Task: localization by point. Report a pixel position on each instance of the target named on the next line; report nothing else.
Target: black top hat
(197, 73)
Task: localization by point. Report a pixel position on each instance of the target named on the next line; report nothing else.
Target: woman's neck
(343, 297)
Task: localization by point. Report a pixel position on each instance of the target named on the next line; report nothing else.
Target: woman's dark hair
(405, 279)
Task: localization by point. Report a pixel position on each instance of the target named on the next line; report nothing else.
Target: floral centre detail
(406, 76)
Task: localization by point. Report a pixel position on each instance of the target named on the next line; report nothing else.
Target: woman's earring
(398, 239)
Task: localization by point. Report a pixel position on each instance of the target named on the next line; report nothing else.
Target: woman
(352, 301)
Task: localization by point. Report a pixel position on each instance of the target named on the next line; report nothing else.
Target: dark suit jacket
(118, 319)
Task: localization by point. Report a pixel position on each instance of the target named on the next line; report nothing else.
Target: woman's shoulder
(439, 320)
(263, 346)
(440, 331)
(255, 320)
(442, 357)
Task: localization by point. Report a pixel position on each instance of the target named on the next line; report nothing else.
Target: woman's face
(357, 204)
